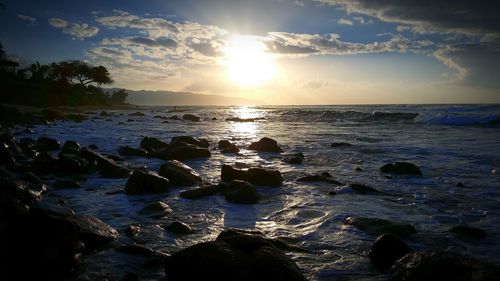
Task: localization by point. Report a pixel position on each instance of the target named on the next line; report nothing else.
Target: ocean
(457, 147)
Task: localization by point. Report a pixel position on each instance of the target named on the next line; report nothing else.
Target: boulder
(402, 168)
(138, 113)
(156, 209)
(179, 173)
(191, 140)
(376, 226)
(47, 144)
(240, 256)
(295, 158)
(61, 184)
(340, 144)
(174, 117)
(200, 192)
(104, 114)
(93, 232)
(265, 145)
(191, 117)
(107, 168)
(130, 151)
(70, 147)
(323, 177)
(73, 164)
(44, 163)
(241, 192)
(17, 196)
(364, 189)
(150, 143)
(181, 151)
(141, 182)
(257, 176)
(226, 146)
(443, 266)
(386, 250)
(179, 228)
(466, 232)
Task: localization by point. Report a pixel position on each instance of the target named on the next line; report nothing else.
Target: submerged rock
(402, 168)
(156, 209)
(226, 146)
(107, 168)
(323, 177)
(466, 232)
(386, 250)
(376, 226)
(442, 265)
(191, 117)
(47, 144)
(150, 143)
(93, 232)
(232, 256)
(141, 182)
(70, 147)
(295, 158)
(257, 176)
(78, 118)
(130, 151)
(179, 173)
(364, 189)
(191, 140)
(179, 228)
(265, 145)
(340, 144)
(61, 184)
(181, 151)
(200, 192)
(241, 192)
(138, 113)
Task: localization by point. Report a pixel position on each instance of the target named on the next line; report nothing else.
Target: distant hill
(182, 98)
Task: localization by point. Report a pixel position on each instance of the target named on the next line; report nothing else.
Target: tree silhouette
(77, 72)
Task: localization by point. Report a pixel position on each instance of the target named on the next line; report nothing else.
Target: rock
(265, 145)
(44, 163)
(386, 250)
(257, 176)
(60, 184)
(191, 117)
(340, 144)
(200, 192)
(30, 177)
(47, 144)
(70, 147)
(466, 232)
(238, 256)
(226, 146)
(93, 232)
(104, 114)
(181, 151)
(364, 189)
(107, 168)
(241, 192)
(17, 197)
(93, 146)
(179, 174)
(130, 151)
(238, 119)
(191, 140)
(402, 168)
(358, 169)
(156, 209)
(78, 118)
(138, 113)
(139, 250)
(150, 143)
(174, 117)
(179, 228)
(73, 164)
(442, 265)
(296, 158)
(141, 182)
(52, 115)
(323, 177)
(376, 226)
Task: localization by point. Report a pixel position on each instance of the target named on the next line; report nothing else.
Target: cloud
(78, 31)
(443, 55)
(29, 19)
(460, 16)
(345, 22)
(124, 19)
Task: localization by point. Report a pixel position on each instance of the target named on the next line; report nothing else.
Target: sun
(248, 62)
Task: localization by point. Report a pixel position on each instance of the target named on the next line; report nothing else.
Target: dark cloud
(281, 48)
(206, 49)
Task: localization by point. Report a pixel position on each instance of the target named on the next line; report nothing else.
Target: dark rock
(340, 144)
(107, 168)
(191, 117)
(52, 115)
(44, 163)
(238, 256)
(226, 146)
(138, 113)
(130, 151)
(150, 143)
(386, 250)
(459, 184)
(296, 158)
(358, 169)
(179, 174)
(364, 189)
(402, 168)
(70, 147)
(93, 232)
(93, 146)
(376, 226)
(323, 177)
(200, 192)
(60, 184)
(131, 276)
(17, 196)
(466, 232)
(174, 117)
(443, 266)
(181, 151)
(113, 157)
(257, 176)
(78, 118)
(238, 119)
(139, 250)
(47, 144)
(104, 114)
(141, 182)
(265, 145)
(191, 140)
(30, 177)
(156, 209)
(241, 192)
(73, 164)
(179, 228)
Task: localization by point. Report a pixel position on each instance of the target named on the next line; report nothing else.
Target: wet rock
(78, 118)
(104, 114)
(340, 144)
(181, 151)
(93, 232)
(44, 163)
(323, 177)
(70, 147)
(47, 144)
(138, 113)
(402, 168)
(364, 189)
(226, 146)
(30, 177)
(17, 196)
(386, 250)
(52, 115)
(200, 192)
(179, 228)
(150, 143)
(241, 192)
(265, 145)
(174, 117)
(257, 176)
(107, 168)
(73, 164)
(466, 232)
(376, 226)
(131, 276)
(179, 173)
(238, 119)
(130, 151)
(237, 256)
(141, 182)
(295, 158)
(442, 265)
(156, 209)
(93, 146)
(358, 169)
(60, 184)
(139, 250)
(191, 117)
(191, 140)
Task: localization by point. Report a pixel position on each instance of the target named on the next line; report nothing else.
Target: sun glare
(248, 63)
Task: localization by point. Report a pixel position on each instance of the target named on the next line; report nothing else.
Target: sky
(274, 51)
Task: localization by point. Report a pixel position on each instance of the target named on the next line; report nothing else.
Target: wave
(340, 116)
(462, 120)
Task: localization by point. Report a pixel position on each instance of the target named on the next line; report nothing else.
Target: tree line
(66, 83)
